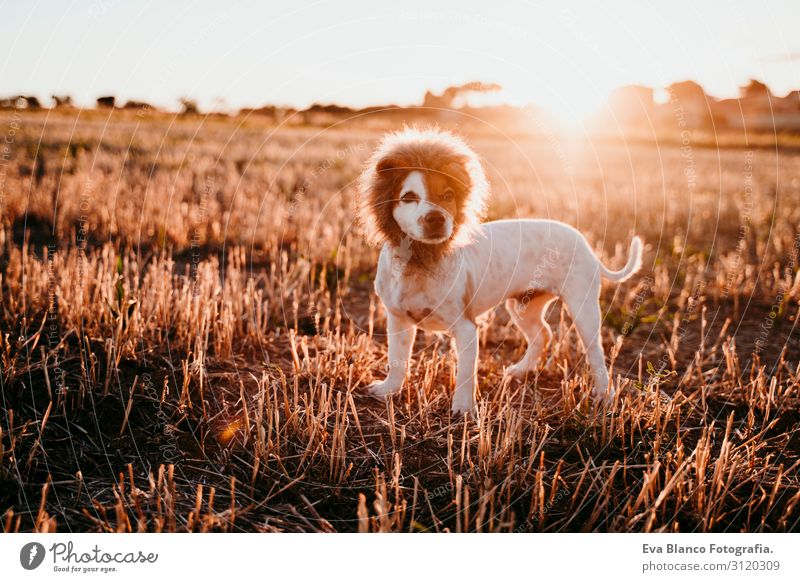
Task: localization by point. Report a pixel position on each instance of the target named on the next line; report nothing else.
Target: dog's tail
(633, 265)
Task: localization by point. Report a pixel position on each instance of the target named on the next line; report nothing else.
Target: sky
(564, 56)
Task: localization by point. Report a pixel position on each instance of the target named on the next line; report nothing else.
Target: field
(188, 322)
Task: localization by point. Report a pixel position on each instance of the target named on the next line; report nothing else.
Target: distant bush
(106, 102)
(62, 100)
(189, 106)
(20, 102)
(141, 105)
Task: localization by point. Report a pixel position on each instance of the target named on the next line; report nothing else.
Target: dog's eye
(409, 197)
(448, 194)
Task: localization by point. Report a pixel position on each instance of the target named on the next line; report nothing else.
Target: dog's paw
(463, 404)
(382, 390)
(603, 397)
(519, 370)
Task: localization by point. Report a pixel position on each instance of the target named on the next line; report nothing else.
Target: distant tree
(793, 99)
(755, 88)
(332, 108)
(480, 87)
(106, 102)
(436, 101)
(26, 102)
(20, 102)
(266, 110)
(451, 95)
(687, 91)
(62, 100)
(140, 105)
(695, 106)
(189, 106)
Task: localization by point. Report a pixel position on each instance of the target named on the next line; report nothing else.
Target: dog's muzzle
(435, 224)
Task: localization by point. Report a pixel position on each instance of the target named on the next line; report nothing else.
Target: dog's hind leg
(528, 316)
(585, 310)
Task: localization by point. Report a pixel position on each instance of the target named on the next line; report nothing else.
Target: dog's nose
(434, 219)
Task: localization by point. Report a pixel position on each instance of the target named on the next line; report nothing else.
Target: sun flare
(570, 105)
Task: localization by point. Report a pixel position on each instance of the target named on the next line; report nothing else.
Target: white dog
(422, 196)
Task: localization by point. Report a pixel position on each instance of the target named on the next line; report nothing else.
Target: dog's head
(424, 187)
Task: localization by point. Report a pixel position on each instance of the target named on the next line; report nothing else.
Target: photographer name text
(706, 549)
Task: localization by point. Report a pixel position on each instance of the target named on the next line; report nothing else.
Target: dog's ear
(456, 170)
(388, 163)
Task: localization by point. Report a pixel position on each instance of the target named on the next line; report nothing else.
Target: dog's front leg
(465, 333)
(400, 334)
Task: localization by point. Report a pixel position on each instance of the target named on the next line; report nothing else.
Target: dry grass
(187, 322)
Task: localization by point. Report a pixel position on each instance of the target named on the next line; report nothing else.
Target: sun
(570, 103)
(573, 112)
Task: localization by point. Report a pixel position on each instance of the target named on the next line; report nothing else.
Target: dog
(422, 196)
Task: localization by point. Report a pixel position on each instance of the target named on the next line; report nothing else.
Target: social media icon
(31, 555)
